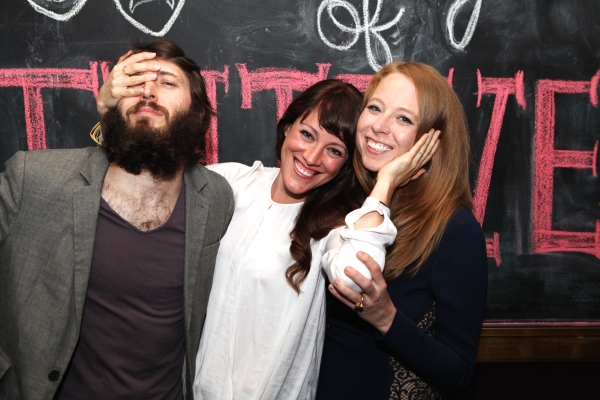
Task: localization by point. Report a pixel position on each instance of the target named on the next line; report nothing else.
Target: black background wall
(525, 71)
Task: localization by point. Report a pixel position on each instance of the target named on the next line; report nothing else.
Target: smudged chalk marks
(452, 12)
(368, 27)
(60, 10)
(174, 6)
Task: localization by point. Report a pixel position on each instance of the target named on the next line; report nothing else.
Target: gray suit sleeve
(11, 192)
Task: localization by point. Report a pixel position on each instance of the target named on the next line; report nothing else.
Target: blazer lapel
(86, 204)
(196, 214)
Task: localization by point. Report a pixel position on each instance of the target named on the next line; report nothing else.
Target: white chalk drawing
(454, 9)
(368, 27)
(60, 10)
(63, 10)
(133, 4)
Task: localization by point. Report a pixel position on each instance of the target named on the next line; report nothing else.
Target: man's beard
(161, 151)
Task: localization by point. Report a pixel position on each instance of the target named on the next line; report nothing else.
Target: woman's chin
(373, 164)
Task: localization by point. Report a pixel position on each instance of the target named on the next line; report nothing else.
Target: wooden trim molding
(539, 343)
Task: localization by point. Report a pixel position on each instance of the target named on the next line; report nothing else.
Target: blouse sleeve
(232, 171)
(343, 243)
(458, 283)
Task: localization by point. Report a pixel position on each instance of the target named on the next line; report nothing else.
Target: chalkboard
(527, 73)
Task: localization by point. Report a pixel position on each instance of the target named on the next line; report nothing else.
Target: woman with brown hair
(412, 331)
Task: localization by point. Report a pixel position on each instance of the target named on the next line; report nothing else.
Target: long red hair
(422, 208)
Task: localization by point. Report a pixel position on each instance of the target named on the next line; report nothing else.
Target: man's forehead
(171, 68)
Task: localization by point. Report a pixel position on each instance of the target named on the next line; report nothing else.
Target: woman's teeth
(379, 147)
(302, 171)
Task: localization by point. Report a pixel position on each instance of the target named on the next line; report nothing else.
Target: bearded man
(107, 254)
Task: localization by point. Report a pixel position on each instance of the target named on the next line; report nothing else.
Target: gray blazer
(49, 204)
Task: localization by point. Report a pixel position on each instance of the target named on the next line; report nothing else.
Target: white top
(261, 340)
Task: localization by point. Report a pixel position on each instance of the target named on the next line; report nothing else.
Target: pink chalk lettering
(546, 159)
(492, 247)
(501, 88)
(539, 324)
(282, 81)
(450, 76)
(33, 81)
(211, 78)
(105, 69)
(594, 89)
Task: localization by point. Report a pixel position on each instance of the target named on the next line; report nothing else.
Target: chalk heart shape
(60, 10)
(153, 17)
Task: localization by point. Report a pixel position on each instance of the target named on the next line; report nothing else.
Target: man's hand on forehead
(127, 79)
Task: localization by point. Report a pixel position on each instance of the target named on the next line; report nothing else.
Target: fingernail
(153, 76)
(336, 282)
(346, 270)
(330, 287)
(156, 66)
(359, 254)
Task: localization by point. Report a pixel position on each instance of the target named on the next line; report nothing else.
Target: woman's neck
(281, 195)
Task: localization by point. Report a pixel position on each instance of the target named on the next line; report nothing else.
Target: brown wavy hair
(339, 106)
(422, 208)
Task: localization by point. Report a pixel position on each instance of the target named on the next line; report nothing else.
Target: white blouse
(262, 340)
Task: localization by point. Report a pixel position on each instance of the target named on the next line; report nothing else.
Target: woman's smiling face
(387, 127)
(310, 157)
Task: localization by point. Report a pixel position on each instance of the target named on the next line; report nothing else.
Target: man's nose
(149, 92)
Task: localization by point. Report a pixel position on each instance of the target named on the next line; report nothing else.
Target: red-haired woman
(412, 331)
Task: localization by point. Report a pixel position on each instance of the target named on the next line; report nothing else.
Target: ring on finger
(359, 306)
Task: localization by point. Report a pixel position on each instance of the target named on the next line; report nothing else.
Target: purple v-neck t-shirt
(131, 344)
